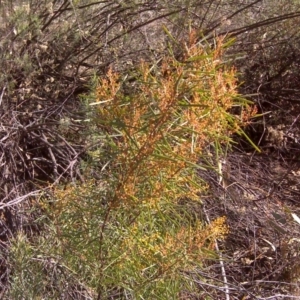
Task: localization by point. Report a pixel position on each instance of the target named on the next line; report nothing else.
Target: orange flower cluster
(176, 109)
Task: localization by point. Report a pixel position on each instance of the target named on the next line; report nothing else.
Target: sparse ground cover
(125, 170)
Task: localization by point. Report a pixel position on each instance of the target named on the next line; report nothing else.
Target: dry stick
(18, 199)
(225, 281)
(52, 156)
(1, 96)
(278, 296)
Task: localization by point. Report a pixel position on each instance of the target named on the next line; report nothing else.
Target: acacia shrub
(126, 234)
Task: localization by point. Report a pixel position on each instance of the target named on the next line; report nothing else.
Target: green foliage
(129, 233)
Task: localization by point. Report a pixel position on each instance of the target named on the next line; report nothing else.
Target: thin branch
(225, 281)
(1, 96)
(18, 199)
